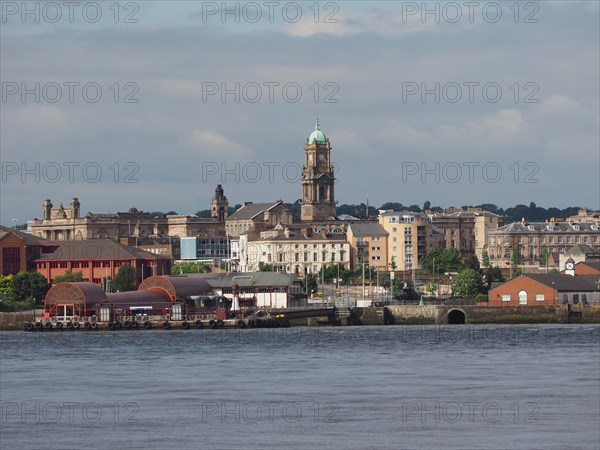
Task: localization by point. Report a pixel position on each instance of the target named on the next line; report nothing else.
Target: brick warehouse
(100, 258)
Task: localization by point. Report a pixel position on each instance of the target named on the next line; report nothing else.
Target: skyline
(376, 61)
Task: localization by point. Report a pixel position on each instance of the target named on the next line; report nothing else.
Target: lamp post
(363, 278)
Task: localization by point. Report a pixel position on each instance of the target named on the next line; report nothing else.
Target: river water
(408, 387)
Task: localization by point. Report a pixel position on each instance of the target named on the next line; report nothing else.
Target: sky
(151, 104)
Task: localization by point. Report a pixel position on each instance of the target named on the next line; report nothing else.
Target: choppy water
(460, 387)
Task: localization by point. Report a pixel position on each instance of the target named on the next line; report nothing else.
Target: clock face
(569, 266)
(321, 157)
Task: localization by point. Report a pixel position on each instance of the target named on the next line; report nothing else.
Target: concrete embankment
(446, 314)
(15, 320)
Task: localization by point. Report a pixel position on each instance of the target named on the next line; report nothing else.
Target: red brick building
(18, 251)
(588, 267)
(546, 290)
(100, 258)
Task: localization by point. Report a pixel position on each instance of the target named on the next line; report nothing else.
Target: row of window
(78, 264)
(507, 252)
(523, 297)
(551, 240)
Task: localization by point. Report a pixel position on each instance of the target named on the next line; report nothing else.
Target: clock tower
(318, 199)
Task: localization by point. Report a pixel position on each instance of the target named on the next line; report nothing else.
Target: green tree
(515, 258)
(310, 281)
(30, 285)
(544, 256)
(446, 260)
(6, 291)
(188, 267)
(393, 263)
(266, 268)
(485, 258)
(494, 274)
(6, 283)
(125, 279)
(467, 283)
(69, 276)
(472, 263)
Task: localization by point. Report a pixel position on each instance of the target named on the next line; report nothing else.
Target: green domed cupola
(317, 134)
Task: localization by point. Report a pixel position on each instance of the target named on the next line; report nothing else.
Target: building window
(394, 239)
(315, 257)
(376, 239)
(506, 297)
(539, 297)
(11, 260)
(394, 229)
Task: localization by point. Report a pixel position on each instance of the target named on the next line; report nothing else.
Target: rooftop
(29, 239)
(250, 210)
(548, 227)
(563, 282)
(367, 229)
(96, 249)
(248, 279)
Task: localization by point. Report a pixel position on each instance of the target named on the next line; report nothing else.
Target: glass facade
(211, 247)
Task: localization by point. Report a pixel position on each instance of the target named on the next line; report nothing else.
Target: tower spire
(317, 126)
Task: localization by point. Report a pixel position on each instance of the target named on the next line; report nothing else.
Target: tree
(515, 258)
(393, 264)
(494, 274)
(6, 283)
(310, 281)
(30, 285)
(472, 263)
(544, 257)
(446, 260)
(6, 291)
(467, 283)
(266, 268)
(69, 276)
(125, 279)
(426, 205)
(188, 267)
(485, 258)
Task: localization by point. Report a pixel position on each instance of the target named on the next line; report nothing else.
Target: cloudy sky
(152, 104)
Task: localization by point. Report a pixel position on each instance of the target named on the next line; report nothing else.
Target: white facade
(295, 253)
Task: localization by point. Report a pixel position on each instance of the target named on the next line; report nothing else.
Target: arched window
(522, 297)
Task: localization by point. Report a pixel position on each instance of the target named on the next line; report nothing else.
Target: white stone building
(294, 249)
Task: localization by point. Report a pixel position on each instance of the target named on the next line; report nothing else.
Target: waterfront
(467, 387)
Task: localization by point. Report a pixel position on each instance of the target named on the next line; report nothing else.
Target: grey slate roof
(368, 229)
(581, 249)
(29, 239)
(567, 283)
(250, 210)
(248, 279)
(97, 249)
(592, 262)
(548, 227)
